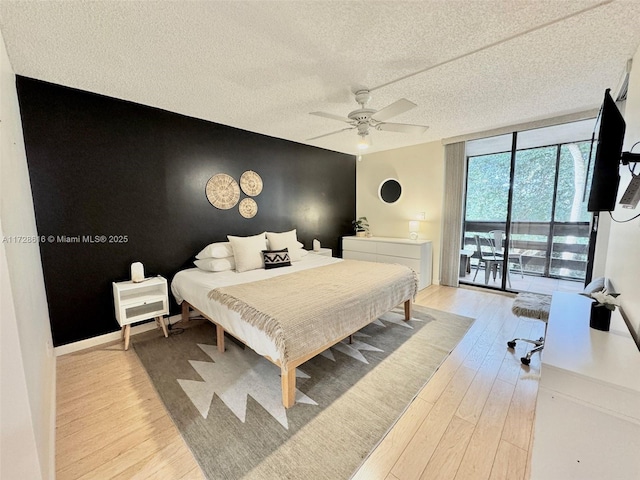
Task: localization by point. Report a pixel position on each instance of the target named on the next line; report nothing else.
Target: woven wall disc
(248, 208)
(223, 191)
(251, 183)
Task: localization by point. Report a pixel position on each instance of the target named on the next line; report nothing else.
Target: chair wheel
(525, 360)
(511, 344)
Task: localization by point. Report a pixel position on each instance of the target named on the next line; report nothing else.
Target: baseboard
(108, 337)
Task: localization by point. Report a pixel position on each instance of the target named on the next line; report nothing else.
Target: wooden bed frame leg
(407, 310)
(220, 338)
(185, 311)
(288, 387)
(350, 339)
(127, 333)
(160, 323)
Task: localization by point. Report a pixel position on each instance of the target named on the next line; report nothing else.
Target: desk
(587, 424)
(465, 261)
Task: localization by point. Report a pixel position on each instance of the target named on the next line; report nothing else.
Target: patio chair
(491, 261)
(497, 237)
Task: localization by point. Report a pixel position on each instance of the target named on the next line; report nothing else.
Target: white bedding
(194, 285)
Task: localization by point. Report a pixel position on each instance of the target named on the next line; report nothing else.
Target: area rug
(228, 406)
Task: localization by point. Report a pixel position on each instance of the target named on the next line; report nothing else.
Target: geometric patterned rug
(228, 406)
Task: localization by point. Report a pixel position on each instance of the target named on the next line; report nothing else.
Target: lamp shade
(137, 272)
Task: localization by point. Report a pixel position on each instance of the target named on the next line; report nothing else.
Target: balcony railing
(557, 250)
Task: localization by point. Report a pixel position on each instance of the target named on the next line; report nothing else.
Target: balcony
(553, 255)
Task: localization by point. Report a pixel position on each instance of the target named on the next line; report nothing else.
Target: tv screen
(606, 176)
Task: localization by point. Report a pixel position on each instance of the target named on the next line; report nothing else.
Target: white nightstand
(327, 252)
(135, 302)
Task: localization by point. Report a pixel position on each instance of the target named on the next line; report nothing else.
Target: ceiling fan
(365, 118)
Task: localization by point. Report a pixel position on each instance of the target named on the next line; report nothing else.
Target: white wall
(623, 252)
(27, 363)
(420, 170)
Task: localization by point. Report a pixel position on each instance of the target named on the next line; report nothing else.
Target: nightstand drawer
(145, 310)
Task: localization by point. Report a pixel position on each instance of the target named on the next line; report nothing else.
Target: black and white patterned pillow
(276, 258)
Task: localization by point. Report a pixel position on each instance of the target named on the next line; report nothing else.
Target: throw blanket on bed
(303, 311)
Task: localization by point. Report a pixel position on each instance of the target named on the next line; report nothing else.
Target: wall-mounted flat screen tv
(606, 175)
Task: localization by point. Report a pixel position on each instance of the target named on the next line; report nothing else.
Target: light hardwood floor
(473, 420)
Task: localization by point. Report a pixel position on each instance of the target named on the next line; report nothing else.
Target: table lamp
(414, 226)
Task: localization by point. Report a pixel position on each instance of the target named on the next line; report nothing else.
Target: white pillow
(288, 240)
(216, 250)
(216, 264)
(303, 252)
(298, 244)
(247, 251)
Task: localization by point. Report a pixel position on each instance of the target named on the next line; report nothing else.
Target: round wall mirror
(390, 190)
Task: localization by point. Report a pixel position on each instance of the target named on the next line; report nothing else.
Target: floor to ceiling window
(526, 226)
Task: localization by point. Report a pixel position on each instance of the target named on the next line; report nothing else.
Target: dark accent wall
(102, 166)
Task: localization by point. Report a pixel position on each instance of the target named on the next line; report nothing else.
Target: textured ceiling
(264, 65)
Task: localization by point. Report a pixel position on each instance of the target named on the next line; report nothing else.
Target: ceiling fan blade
(331, 116)
(396, 108)
(402, 128)
(332, 133)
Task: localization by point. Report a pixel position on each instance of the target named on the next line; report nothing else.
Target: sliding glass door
(486, 206)
(526, 227)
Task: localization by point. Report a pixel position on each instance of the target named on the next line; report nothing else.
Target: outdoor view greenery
(548, 249)
(488, 185)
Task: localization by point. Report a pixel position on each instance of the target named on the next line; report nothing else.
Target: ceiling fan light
(363, 143)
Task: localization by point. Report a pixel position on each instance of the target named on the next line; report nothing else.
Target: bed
(291, 314)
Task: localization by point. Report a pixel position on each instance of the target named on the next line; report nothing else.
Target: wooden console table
(588, 410)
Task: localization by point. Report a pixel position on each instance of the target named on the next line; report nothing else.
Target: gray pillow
(596, 285)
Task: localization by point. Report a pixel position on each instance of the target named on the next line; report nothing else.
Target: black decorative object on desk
(600, 318)
(605, 301)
